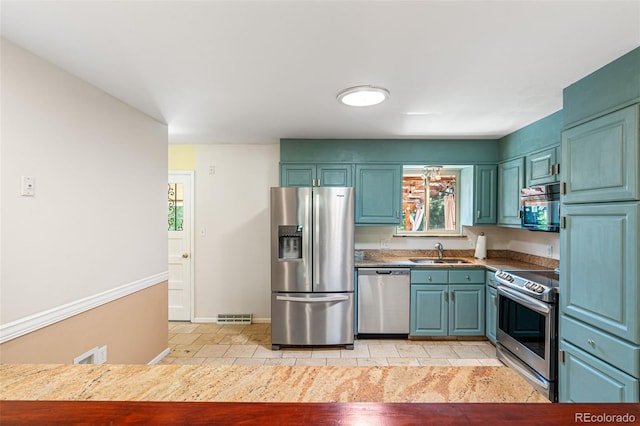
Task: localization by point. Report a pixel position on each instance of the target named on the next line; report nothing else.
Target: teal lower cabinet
(447, 303)
(491, 307)
(466, 309)
(429, 311)
(585, 378)
(595, 366)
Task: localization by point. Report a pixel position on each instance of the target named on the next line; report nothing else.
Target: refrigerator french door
(312, 266)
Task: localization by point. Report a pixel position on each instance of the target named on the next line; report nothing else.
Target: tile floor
(213, 344)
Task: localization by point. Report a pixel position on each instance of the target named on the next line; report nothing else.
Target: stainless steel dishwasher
(383, 300)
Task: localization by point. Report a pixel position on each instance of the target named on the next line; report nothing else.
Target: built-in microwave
(540, 208)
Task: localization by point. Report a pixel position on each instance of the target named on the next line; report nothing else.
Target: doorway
(180, 234)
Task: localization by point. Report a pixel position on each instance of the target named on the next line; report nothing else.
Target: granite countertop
(112, 382)
(491, 264)
(499, 260)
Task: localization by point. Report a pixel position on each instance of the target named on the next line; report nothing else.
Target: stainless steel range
(527, 326)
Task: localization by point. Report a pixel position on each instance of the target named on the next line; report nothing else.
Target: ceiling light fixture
(361, 96)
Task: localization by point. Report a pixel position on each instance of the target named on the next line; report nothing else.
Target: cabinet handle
(557, 168)
(313, 182)
(552, 168)
(319, 182)
(467, 277)
(451, 296)
(478, 214)
(446, 296)
(429, 278)
(591, 342)
(563, 188)
(397, 214)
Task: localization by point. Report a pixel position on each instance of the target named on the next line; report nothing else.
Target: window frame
(417, 171)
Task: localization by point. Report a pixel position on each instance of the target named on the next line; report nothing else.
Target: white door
(180, 207)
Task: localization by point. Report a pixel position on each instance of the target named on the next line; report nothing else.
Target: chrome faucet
(440, 250)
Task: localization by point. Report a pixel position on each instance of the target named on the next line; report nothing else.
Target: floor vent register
(234, 318)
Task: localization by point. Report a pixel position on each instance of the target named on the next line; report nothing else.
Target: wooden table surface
(238, 413)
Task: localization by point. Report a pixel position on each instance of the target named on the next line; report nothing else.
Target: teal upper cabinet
(599, 282)
(510, 182)
(478, 195)
(334, 175)
(543, 167)
(485, 197)
(600, 159)
(378, 194)
(297, 174)
(309, 174)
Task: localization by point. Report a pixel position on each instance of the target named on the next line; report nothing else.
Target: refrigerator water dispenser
(290, 242)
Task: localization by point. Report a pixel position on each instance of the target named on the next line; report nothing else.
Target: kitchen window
(430, 201)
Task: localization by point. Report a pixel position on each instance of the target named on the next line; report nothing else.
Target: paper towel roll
(481, 247)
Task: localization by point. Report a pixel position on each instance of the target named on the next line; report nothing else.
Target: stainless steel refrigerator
(312, 266)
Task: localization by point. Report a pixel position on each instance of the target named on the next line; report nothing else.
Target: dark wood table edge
(287, 413)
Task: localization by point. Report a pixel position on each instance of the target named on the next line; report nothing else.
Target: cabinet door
(491, 313)
(428, 310)
(485, 195)
(303, 174)
(599, 249)
(334, 175)
(584, 378)
(600, 159)
(510, 182)
(378, 190)
(466, 310)
(542, 166)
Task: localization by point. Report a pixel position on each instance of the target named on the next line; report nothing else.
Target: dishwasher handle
(383, 271)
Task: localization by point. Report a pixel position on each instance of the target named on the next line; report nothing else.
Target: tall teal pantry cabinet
(599, 333)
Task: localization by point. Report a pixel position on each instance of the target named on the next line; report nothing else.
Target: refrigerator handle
(334, 298)
(316, 239)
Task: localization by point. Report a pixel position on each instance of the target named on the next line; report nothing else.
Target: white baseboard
(159, 357)
(43, 319)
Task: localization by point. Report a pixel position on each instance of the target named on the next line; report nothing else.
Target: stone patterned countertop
(492, 264)
(110, 382)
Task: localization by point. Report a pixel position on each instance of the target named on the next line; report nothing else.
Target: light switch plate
(28, 186)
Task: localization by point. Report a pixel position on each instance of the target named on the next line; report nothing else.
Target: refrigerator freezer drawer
(311, 319)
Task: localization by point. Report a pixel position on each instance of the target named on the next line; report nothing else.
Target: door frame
(191, 175)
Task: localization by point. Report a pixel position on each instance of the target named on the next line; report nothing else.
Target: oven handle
(525, 300)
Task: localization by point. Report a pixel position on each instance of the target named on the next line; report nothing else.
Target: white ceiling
(257, 71)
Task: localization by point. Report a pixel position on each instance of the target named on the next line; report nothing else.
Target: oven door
(527, 328)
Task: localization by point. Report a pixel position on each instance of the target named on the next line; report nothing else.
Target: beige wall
(232, 253)
(127, 326)
(96, 230)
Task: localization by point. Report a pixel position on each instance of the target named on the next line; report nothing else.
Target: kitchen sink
(438, 261)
